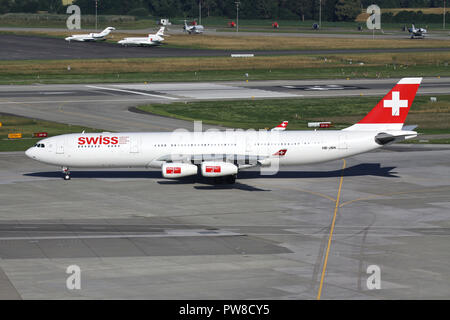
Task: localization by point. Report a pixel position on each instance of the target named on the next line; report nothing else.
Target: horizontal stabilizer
(410, 127)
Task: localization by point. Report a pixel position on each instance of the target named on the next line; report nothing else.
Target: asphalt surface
(19, 47)
(137, 236)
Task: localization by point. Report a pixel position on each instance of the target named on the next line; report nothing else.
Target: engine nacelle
(178, 170)
(218, 169)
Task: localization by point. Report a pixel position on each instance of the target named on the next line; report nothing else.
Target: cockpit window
(40, 145)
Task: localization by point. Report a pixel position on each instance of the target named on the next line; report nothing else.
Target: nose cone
(30, 153)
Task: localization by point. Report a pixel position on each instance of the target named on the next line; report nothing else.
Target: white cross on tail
(395, 104)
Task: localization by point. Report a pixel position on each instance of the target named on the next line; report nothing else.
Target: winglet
(281, 127)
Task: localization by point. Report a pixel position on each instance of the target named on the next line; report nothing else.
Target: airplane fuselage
(153, 148)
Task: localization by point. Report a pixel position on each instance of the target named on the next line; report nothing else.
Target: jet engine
(178, 170)
(218, 169)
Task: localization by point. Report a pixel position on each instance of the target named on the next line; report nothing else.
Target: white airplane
(193, 29)
(417, 32)
(91, 36)
(150, 40)
(221, 154)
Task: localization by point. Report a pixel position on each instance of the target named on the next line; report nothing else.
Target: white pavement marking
(72, 101)
(205, 91)
(133, 92)
(171, 233)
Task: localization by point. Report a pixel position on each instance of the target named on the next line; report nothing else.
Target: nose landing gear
(66, 173)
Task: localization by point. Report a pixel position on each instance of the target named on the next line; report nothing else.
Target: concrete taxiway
(106, 106)
(135, 235)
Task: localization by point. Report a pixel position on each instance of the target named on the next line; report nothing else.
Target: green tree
(347, 10)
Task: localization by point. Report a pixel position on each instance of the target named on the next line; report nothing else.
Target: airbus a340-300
(222, 154)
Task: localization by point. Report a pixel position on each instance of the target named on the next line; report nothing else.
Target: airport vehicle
(417, 32)
(221, 154)
(164, 22)
(101, 36)
(196, 29)
(150, 40)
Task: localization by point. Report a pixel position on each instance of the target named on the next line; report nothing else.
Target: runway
(137, 236)
(106, 106)
(18, 47)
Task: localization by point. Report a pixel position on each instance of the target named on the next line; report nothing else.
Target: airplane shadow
(364, 169)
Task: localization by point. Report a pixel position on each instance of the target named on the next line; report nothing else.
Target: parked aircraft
(222, 154)
(91, 36)
(150, 40)
(196, 29)
(417, 32)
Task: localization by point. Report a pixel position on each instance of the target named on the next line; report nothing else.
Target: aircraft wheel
(66, 173)
(218, 180)
(230, 179)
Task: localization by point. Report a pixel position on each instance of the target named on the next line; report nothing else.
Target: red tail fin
(391, 111)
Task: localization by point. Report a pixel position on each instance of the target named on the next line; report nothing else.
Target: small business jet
(91, 36)
(196, 29)
(222, 154)
(150, 40)
(417, 32)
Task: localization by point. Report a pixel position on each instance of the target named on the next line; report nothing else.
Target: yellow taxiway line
(319, 294)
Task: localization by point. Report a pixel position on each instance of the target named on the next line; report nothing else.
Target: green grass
(343, 112)
(27, 126)
(230, 75)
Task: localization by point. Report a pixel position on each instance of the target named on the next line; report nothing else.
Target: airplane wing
(241, 161)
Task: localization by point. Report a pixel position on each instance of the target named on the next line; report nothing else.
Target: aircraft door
(134, 144)
(342, 142)
(60, 146)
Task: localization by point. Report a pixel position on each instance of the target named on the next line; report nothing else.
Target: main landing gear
(66, 173)
(225, 180)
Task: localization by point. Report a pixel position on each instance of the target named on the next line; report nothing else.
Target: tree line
(332, 10)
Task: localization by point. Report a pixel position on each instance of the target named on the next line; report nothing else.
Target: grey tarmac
(135, 235)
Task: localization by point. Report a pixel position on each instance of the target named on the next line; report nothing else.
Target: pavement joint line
(133, 92)
(390, 194)
(319, 194)
(333, 222)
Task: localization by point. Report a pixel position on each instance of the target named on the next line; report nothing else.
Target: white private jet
(221, 154)
(417, 32)
(91, 36)
(193, 29)
(150, 40)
